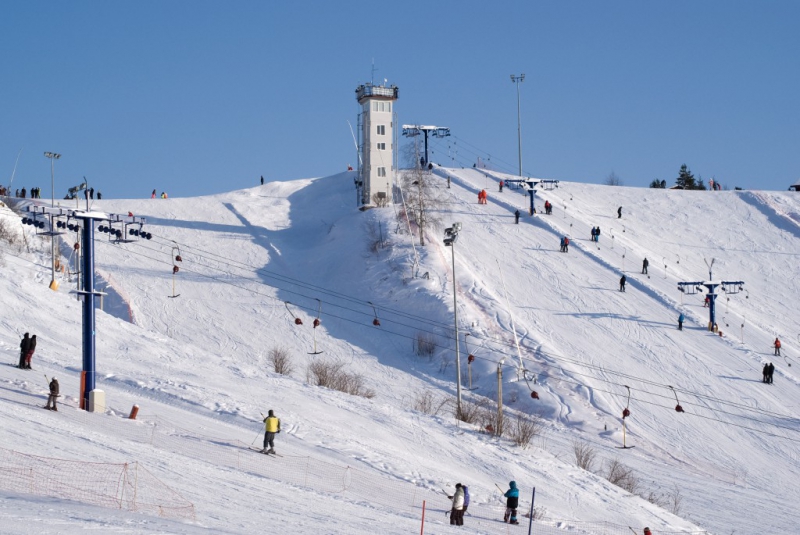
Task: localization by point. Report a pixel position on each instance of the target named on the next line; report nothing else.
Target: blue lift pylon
(729, 287)
(532, 183)
(88, 292)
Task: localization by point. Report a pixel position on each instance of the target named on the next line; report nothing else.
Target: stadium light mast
(53, 156)
(517, 80)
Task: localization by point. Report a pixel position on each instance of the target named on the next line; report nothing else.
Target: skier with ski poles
(681, 319)
(272, 426)
(457, 511)
(512, 502)
(51, 400)
(777, 346)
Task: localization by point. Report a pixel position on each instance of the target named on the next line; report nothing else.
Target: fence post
(305, 479)
(135, 483)
(124, 482)
(422, 527)
(530, 524)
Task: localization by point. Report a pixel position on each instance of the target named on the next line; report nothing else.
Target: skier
(597, 234)
(457, 512)
(681, 319)
(512, 501)
(262, 176)
(548, 208)
(153, 195)
(619, 212)
(706, 302)
(91, 193)
(29, 354)
(765, 373)
(770, 372)
(562, 245)
(51, 400)
(622, 283)
(566, 244)
(516, 217)
(647, 531)
(593, 233)
(99, 195)
(645, 263)
(777, 346)
(24, 346)
(466, 501)
(272, 426)
(501, 186)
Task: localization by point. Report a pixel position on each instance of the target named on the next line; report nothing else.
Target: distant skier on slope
(516, 217)
(501, 186)
(512, 502)
(457, 511)
(619, 212)
(765, 373)
(777, 346)
(622, 282)
(272, 426)
(597, 234)
(566, 244)
(51, 400)
(645, 263)
(29, 354)
(681, 319)
(770, 372)
(647, 531)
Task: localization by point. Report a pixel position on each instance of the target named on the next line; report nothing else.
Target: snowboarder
(770, 372)
(516, 217)
(619, 212)
(501, 186)
(777, 346)
(645, 263)
(457, 512)
(272, 426)
(512, 501)
(681, 319)
(765, 373)
(622, 282)
(24, 346)
(29, 354)
(51, 400)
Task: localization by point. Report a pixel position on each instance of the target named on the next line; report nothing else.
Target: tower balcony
(376, 91)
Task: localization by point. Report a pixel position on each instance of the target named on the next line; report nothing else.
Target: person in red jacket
(777, 345)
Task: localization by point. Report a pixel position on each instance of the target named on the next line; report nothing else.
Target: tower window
(381, 129)
(381, 146)
(382, 171)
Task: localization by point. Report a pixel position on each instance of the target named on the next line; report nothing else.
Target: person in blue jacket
(681, 319)
(512, 501)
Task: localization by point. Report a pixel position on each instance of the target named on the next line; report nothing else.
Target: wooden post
(422, 526)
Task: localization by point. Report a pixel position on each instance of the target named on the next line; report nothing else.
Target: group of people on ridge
(461, 503)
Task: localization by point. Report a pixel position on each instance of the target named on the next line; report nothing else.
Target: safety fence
(118, 485)
(359, 485)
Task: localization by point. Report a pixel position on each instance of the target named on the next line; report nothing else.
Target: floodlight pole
(53, 156)
(517, 80)
(450, 240)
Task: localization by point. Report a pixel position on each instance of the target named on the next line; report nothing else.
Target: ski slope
(199, 361)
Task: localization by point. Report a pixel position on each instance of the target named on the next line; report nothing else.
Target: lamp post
(53, 156)
(499, 429)
(517, 80)
(450, 237)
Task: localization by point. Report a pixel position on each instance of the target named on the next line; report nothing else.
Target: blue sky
(200, 97)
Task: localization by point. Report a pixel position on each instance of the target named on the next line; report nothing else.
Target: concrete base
(54, 285)
(97, 401)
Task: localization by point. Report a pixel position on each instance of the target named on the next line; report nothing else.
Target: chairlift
(316, 324)
(470, 360)
(175, 256)
(297, 321)
(678, 407)
(375, 321)
(625, 413)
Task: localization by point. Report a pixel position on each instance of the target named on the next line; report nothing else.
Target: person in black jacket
(29, 354)
(622, 282)
(516, 217)
(24, 346)
(51, 400)
(765, 373)
(645, 263)
(770, 372)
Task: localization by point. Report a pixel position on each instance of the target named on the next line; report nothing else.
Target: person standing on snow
(770, 372)
(566, 244)
(681, 319)
(765, 373)
(501, 186)
(262, 176)
(153, 195)
(457, 511)
(562, 245)
(272, 426)
(24, 346)
(593, 233)
(645, 263)
(29, 354)
(622, 282)
(516, 217)
(619, 212)
(512, 502)
(777, 346)
(647, 531)
(51, 400)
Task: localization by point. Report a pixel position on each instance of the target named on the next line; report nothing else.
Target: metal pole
(88, 309)
(52, 237)
(455, 322)
(530, 523)
(499, 430)
(519, 129)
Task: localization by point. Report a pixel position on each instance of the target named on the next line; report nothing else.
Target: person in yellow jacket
(272, 426)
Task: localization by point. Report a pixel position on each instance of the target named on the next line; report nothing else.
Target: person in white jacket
(457, 512)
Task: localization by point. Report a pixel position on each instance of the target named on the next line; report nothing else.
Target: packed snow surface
(192, 349)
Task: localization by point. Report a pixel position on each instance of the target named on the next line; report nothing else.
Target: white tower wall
(376, 170)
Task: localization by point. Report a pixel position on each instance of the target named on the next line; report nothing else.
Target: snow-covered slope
(199, 361)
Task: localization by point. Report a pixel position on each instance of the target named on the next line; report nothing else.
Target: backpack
(566, 241)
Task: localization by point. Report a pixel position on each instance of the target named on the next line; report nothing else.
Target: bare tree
(613, 180)
(422, 198)
(584, 455)
(281, 360)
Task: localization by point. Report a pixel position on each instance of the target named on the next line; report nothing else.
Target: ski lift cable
(500, 351)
